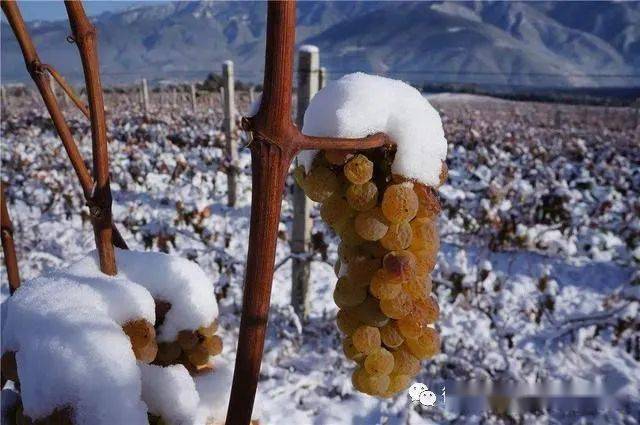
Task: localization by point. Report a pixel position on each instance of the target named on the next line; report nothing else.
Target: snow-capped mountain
(519, 43)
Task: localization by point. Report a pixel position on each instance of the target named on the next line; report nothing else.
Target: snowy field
(537, 278)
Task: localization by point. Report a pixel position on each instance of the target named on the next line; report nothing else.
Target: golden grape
(399, 266)
(143, 339)
(398, 382)
(320, 184)
(409, 327)
(426, 310)
(397, 307)
(376, 384)
(390, 335)
(359, 381)
(187, 339)
(425, 235)
(428, 203)
(399, 203)
(346, 294)
(360, 270)
(209, 330)
(359, 169)
(213, 344)
(366, 339)
(370, 314)
(349, 235)
(335, 212)
(405, 363)
(398, 237)
(198, 355)
(362, 197)
(347, 252)
(419, 287)
(425, 261)
(426, 345)
(371, 225)
(382, 288)
(350, 350)
(347, 322)
(379, 362)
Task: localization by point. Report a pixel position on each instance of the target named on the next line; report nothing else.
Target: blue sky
(54, 9)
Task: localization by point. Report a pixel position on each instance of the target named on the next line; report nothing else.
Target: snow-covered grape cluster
(192, 349)
(389, 243)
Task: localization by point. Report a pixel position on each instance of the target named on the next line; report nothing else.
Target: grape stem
(276, 141)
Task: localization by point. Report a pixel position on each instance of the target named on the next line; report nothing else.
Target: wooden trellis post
(3, 98)
(144, 92)
(193, 98)
(229, 128)
(8, 247)
(308, 69)
(276, 141)
(251, 94)
(323, 77)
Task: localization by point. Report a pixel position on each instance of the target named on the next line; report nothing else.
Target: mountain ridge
(483, 43)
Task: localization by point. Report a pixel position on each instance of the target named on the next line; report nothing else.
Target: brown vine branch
(374, 141)
(67, 89)
(40, 78)
(100, 201)
(276, 140)
(8, 247)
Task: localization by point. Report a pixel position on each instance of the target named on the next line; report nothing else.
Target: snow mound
(168, 278)
(359, 104)
(191, 400)
(71, 350)
(170, 392)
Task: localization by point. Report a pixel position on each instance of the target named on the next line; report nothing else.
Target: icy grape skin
(362, 197)
(398, 236)
(347, 294)
(426, 345)
(366, 339)
(347, 322)
(359, 169)
(335, 212)
(371, 225)
(320, 184)
(399, 203)
(382, 288)
(379, 362)
(391, 336)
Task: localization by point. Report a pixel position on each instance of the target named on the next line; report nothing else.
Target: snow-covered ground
(537, 278)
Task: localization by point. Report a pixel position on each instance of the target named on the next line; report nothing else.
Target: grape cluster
(192, 348)
(388, 248)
